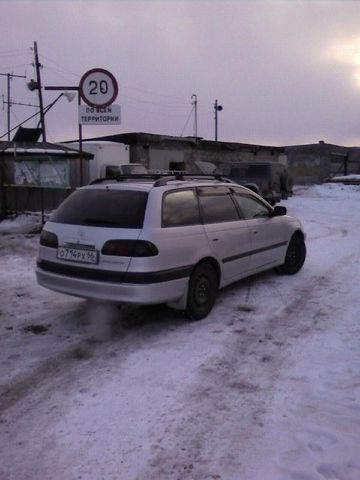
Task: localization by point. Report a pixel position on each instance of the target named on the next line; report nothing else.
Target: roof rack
(189, 176)
(121, 178)
(161, 179)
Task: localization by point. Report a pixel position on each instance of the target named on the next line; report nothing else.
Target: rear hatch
(95, 228)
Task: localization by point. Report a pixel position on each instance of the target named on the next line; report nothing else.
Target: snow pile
(352, 179)
(24, 223)
(329, 191)
(346, 177)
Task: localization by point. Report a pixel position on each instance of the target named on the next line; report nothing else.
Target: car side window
(217, 205)
(251, 207)
(180, 208)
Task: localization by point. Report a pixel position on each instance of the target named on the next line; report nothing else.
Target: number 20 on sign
(98, 88)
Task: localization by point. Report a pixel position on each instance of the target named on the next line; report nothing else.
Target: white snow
(346, 178)
(265, 388)
(56, 151)
(23, 223)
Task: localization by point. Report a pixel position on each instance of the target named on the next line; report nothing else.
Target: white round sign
(98, 88)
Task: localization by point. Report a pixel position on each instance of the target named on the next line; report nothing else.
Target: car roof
(148, 182)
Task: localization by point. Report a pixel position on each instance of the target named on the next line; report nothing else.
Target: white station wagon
(174, 239)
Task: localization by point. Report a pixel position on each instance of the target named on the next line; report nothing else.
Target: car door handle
(215, 239)
(255, 232)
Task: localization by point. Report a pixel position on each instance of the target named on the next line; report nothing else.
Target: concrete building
(313, 163)
(164, 152)
(37, 176)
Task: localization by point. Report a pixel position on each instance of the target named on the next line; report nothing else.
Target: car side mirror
(278, 211)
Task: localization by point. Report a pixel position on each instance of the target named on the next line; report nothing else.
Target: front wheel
(295, 256)
(203, 286)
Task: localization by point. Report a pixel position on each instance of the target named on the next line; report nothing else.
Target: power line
(154, 112)
(11, 67)
(57, 72)
(187, 121)
(6, 53)
(9, 76)
(153, 93)
(156, 103)
(60, 66)
(45, 110)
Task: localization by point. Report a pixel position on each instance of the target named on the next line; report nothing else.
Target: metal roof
(133, 138)
(26, 148)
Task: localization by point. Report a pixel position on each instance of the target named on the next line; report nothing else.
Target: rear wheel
(295, 256)
(203, 286)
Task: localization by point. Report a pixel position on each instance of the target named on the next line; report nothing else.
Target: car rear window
(103, 208)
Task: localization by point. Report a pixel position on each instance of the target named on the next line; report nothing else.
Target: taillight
(129, 248)
(48, 239)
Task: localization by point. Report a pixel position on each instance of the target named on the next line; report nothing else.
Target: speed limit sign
(98, 88)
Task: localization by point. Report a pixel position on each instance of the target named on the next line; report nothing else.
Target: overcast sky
(285, 72)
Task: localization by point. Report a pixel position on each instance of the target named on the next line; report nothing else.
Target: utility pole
(9, 104)
(38, 87)
(217, 108)
(9, 76)
(194, 102)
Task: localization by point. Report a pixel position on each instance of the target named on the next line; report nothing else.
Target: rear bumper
(136, 293)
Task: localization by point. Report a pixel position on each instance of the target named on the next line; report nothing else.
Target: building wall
(20, 196)
(316, 162)
(307, 168)
(33, 199)
(223, 156)
(165, 155)
(307, 164)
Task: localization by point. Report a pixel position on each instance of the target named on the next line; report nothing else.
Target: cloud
(284, 71)
(347, 52)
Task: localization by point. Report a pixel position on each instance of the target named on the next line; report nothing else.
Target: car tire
(295, 256)
(202, 291)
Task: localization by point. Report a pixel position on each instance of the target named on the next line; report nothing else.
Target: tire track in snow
(243, 378)
(119, 335)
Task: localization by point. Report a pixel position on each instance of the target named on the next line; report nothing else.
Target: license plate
(81, 255)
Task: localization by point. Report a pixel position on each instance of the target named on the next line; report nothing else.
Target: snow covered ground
(265, 388)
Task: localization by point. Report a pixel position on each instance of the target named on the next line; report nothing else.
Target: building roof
(133, 138)
(28, 148)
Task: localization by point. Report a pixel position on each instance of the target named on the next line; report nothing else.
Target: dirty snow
(265, 388)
